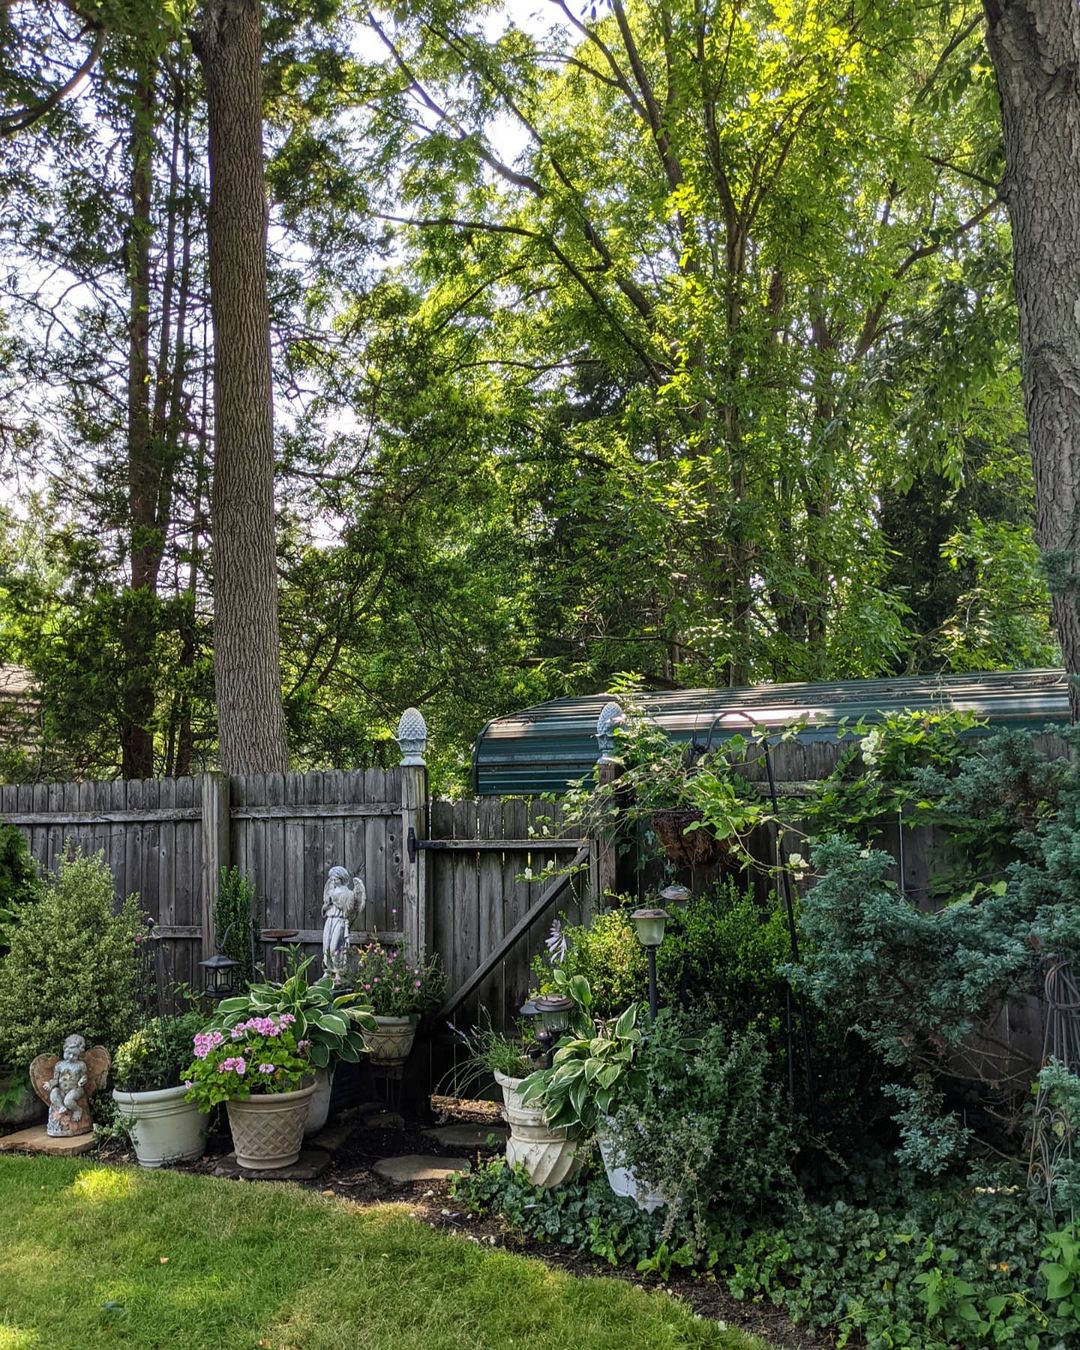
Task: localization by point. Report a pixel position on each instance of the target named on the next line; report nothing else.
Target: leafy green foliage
(590, 1074)
(700, 1125)
(18, 879)
(333, 1023)
(607, 954)
(236, 924)
(72, 965)
(263, 1055)
(952, 1267)
(915, 984)
(656, 776)
(723, 950)
(153, 1056)
(393, 983)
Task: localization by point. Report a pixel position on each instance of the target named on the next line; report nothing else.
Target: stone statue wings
(96, 1058)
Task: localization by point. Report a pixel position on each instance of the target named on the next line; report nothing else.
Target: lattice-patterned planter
(389, 1044)
(268, 1130)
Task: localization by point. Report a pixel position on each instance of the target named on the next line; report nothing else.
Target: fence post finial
(611, 716)
(412, 737)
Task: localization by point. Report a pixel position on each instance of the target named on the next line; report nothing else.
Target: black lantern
(552, 1012)
(219, 980)
(650, 933)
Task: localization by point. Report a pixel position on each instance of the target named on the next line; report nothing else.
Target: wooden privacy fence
(446, 877)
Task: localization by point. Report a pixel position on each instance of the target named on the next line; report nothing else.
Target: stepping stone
(332, 1137)
(463, 1135)
(35, 1140)
(311, 1163)
(383, 1120)
(417, 1167)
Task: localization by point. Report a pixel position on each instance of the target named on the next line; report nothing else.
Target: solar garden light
(650, 933)
(219, 978)
(675, 894)
(552, 1011)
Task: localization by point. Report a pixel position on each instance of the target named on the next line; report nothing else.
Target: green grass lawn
(93, 1255)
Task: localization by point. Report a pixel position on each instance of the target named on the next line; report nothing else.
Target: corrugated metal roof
(543, 748)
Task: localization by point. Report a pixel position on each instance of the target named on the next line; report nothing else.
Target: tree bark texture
(140, 611)
(1035, 47)
(247, 676)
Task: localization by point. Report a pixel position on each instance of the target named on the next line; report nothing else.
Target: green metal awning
(544, 748)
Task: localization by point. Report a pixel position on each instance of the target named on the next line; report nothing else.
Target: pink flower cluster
(206, 1041)
(235, 1063)
(266, 1068)
(262, 1026)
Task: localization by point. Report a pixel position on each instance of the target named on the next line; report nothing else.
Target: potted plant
(399, 990)
(261, 1069)
(151, 1098)
(589, 1075)
(332, 1024)
(548, 1154)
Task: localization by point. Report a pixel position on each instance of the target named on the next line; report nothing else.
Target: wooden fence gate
(456, 878)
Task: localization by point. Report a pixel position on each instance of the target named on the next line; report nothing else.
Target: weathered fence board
(462, 889)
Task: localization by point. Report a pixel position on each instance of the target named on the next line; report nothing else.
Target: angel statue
(67, 1084)
(343, 902)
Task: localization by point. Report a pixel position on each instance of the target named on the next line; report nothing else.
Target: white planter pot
(622, 1179)
(548, 1156)
(319, 1109)
(163, 1126)
(268, 1130)
(389, 1044)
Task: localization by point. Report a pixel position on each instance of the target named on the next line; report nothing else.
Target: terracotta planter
(268, 1130)
(622, 1179)
(163, 1126)
(696, 849)
(319, 1110)
(548, 1156)
(389, 1044)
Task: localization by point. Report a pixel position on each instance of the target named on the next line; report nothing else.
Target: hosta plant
(332, 1023)
(589, 1074)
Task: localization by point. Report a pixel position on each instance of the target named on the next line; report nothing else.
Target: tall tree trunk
(139, 621)
(1035, 47)
(247, 677)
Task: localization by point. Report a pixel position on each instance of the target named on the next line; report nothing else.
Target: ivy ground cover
(93, 1255)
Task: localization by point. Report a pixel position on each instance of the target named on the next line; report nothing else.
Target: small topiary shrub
(73, 965)
(18, 880)
(724, 948)
(236, 929)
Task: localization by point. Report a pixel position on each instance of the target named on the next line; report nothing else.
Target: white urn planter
(319, 1110)
(268, 1129)
(548, 1156)
(164, 1128)
(622, 1179)
(389, 1044)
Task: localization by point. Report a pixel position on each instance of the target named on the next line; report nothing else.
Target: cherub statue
(344, 899)
(68, 1083)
